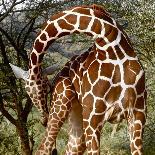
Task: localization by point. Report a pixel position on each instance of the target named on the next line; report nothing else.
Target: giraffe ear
(19, 73)
(51, 69)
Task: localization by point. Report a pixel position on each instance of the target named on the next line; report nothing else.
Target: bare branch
(22, 54)
(5, 112)
(27, 109)
(32, 22)
(14, 3)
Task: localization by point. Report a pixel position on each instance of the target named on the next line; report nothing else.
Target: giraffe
(106, 83)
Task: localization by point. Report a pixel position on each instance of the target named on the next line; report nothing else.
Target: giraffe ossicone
(19, 73)
(105, 83)
(22, 74)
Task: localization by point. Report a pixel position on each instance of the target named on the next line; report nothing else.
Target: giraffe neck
(93, 22)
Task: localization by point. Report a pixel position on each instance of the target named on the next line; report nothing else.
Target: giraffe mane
(99, 9)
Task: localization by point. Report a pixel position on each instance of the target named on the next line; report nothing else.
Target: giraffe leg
(92, 124)
(76, 144)
(61, 105)
(92, 135)
(136, 126)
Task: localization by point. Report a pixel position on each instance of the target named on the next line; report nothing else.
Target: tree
(15, 104)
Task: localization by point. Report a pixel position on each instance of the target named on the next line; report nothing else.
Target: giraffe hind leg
(92, 124)
(136, 126)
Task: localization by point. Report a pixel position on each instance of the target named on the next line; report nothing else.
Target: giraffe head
(36, 89)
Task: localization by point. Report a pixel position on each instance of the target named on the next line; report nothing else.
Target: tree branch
(22, 54)
(27, 109)
(14, 3)
(32, 22)
(7, 11)
(21, 32)
(5, 112)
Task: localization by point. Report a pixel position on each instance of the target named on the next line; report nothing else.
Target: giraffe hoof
(54, 152)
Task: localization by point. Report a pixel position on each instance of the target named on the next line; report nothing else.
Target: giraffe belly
(76, 118)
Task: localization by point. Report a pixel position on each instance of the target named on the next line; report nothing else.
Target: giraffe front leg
(56, 120)
(136, 127)
(61, 105)
(76, 144)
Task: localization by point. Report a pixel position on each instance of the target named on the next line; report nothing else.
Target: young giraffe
(107, 83)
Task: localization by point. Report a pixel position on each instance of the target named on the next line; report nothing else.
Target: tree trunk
(24, 138)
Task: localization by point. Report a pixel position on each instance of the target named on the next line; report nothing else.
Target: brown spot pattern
(129, 76)
(84, 21)
(140, 87)
(35, 70)
(108, 29)
(129, 98)
(82, 11)
(100, 106)
(56, 16)
(140, 103)
(100, 42)
(40, 58)
(86, 85)
(101, 55)
(64, 25)
(113, 94)
(51, 30)
(95, 120)
(100, 88)
(43, 37)
(93, 71)
(107, 69)
(117, 75)
(33, 58)
(38, 46)
(59, 88)
(111, 53)
(119, 52)
(89, 59)
(87, 108)
(76, 85)
(103, 15)
(127, 47)
(71, 19)
(96, 27)
(112, 35)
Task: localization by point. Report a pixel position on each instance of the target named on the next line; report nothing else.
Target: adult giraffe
(106, 83)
